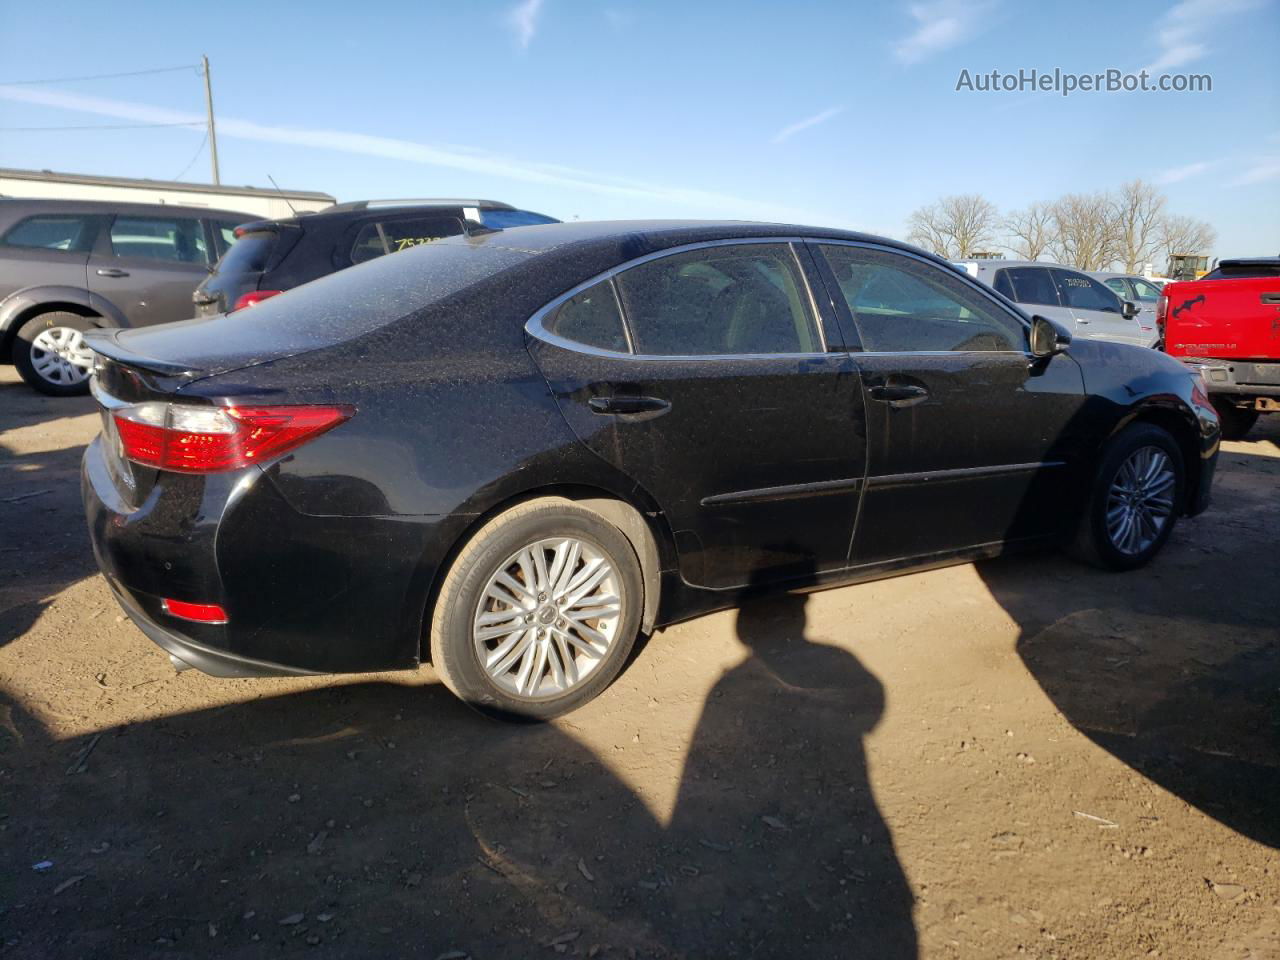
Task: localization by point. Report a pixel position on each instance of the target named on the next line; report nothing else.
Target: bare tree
(1031, 230)
(955, 227)
(1180, 234)
(1139, 219)
(1085, 231)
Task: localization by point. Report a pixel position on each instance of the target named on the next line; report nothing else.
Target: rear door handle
(899, 394)
(112, 272)
(624, 405)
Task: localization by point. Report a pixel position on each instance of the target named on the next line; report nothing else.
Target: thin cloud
(786, 133)
(523, 21)
(1261, 171)
(1178, 174)
(1183, 29)
(470, 160)
(941, 25)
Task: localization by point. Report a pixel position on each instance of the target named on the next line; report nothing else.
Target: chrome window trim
(535, 328)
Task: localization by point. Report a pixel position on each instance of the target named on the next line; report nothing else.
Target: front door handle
(899, 394)
(112, 272)
(1081, 320)
(625, 405)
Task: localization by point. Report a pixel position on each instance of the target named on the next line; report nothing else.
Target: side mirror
(1128, 309)
(1047, 338)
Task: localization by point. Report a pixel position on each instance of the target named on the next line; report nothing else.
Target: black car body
(71, 265)
(703, 389)
(272, 256)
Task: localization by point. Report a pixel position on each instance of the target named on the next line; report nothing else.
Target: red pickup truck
(1227, 325)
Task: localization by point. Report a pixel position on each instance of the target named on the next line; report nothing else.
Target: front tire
(1134, 501)
(50, 353)
(538, 612)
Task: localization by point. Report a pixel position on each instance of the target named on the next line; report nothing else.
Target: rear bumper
(216, 663)
(1238, 379)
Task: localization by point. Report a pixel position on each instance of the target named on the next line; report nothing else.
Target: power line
(107, 126)
(195, 156)
(103, 76)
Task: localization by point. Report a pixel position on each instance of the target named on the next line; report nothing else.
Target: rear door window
(1117, 286)
(1034, 285)
(53, 232)
(224, 234)
(381, 237)
(719, 301)
(1004, 285)
(173, 239)
(1144, 291)
(1084, 293)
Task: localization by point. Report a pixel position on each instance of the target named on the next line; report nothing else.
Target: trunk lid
(1230, 318)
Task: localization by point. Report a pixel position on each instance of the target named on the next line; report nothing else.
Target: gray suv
(1076, 300)
(67, 266)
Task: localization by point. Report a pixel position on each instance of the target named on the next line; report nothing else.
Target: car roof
(650, 235)
(356, 207)
(1250, 262)
(36, 205)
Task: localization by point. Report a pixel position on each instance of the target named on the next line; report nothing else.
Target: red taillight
(199, 612)
(1162, 308)
(195, 439)
(254, 296)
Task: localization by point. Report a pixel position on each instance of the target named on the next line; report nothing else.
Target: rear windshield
(1240, 271)
(338, 307)
(249, 253)
(502, 219)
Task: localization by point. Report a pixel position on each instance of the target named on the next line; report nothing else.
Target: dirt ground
(1020, 758)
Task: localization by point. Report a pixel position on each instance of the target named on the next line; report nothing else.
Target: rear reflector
(199, 612)
(252, 297)
(205, 439)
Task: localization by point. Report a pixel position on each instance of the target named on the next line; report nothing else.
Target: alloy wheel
(547, 618)
(59, 355)
(1140, 500)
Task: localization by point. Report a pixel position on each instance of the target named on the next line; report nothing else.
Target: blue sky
(828, 113)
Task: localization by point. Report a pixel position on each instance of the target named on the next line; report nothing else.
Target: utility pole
(208, 105)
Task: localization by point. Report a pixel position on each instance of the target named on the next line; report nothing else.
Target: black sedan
(512, 454)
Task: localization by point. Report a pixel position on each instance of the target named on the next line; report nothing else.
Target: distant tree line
(1089, 231)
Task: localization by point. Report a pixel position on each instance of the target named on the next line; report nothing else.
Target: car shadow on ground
(397, 822)
(44, 545)
(1183, 685)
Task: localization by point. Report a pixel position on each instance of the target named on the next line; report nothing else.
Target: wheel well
(1178, 426)
(646, 530)
(6, 340)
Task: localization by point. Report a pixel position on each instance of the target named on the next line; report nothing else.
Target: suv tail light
(197, 439)
(253, 297)
(1162, 308)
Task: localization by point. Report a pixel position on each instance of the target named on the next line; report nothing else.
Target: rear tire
(50, 353)
(1134, 501)
(512, 632)
(1236, 422)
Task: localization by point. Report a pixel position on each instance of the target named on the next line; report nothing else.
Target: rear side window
(1085, 293)
(248, 253)
(174, 239)
(502, 219)
(1034, 285)
(718, 301)
(591, 318)
(391, 236)
(70, 233)
(1117, 286)
(902, 305)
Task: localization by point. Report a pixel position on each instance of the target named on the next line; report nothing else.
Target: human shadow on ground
(397, 823)
(1174, 668)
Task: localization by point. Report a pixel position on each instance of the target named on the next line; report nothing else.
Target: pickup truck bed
(1227, 326)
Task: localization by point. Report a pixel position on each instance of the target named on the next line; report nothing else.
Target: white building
(268, 203)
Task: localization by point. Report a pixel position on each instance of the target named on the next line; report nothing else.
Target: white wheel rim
(59, 355)
(547, 618)
(1140, 501)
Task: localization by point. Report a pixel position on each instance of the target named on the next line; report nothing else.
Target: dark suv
(67, 266)
(271, 256)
